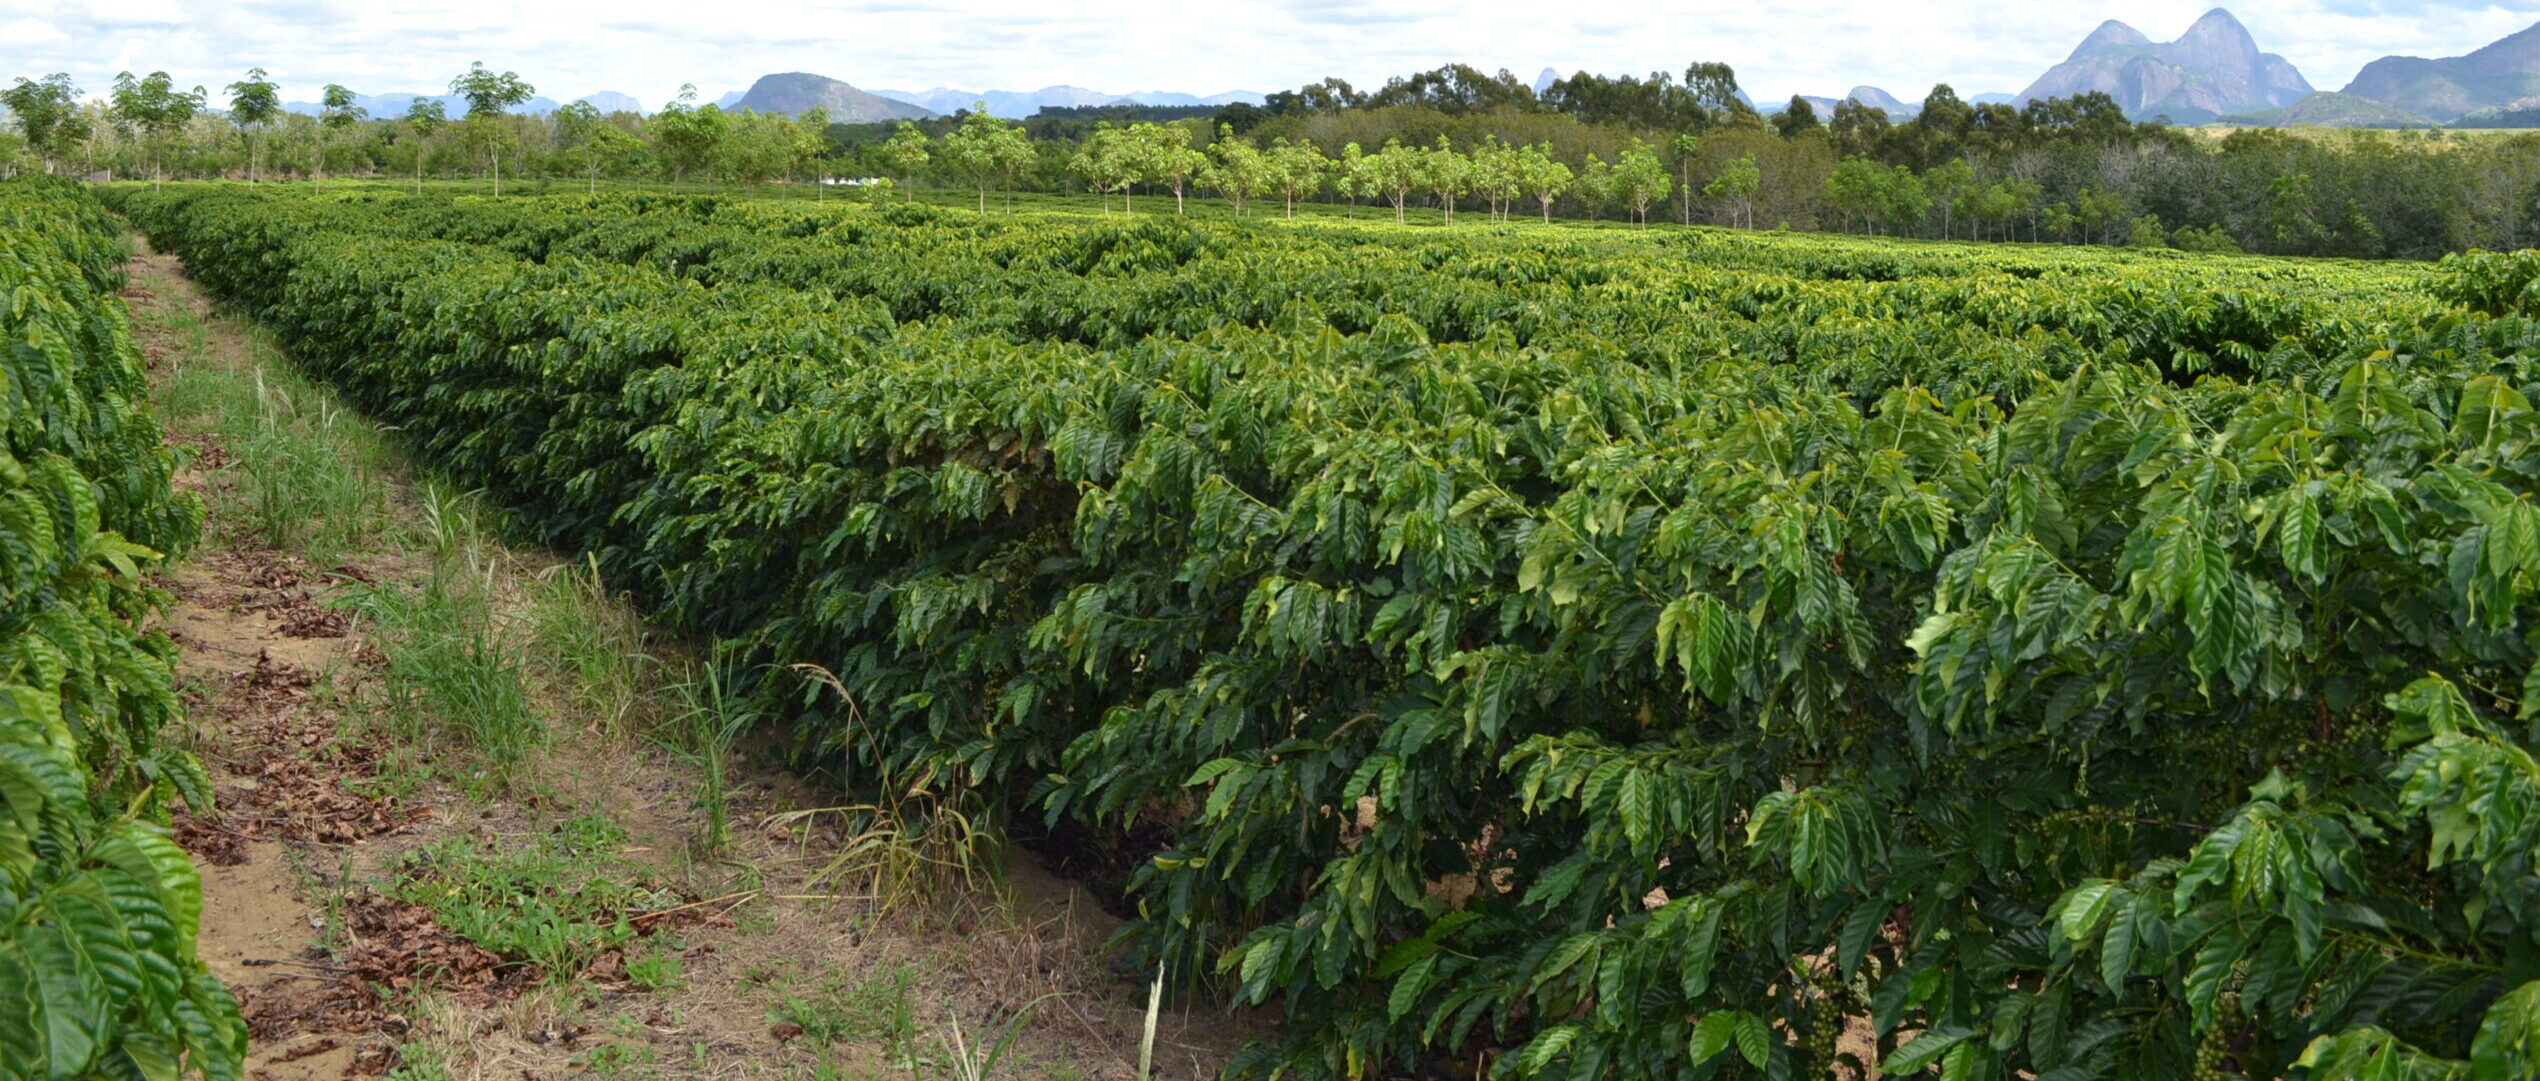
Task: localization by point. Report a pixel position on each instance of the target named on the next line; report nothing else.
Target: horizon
(398, 46)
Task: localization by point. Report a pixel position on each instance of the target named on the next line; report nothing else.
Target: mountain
(1881, 100)
(1174, 97)
(1545, 78)
(730, 101)
(2506, 71)
(796, 91)
(1018, 104)
(1871, 96)
(1010, 104)
(2213, 69)
(610, 101)
(2323, 109)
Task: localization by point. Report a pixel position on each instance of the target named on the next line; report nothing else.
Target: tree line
(1687, 147)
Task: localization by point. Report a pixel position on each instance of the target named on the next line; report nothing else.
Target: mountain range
(2212, 70)
(2503, 75)
(391, 106)
(2215, 70)
(1882, 101)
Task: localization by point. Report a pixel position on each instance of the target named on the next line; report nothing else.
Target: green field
(1568, 652)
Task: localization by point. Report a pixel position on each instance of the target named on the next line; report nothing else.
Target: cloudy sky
(569, 48)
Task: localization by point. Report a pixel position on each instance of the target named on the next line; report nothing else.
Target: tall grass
(453, 674)
(304, 474)
(594, 646)
(710, 717)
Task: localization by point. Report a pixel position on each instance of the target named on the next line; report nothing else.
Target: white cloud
(568, 48)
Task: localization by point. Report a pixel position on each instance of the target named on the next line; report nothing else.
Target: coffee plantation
(1570, 654)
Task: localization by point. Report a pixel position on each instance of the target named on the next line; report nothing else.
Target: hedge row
(98, 908)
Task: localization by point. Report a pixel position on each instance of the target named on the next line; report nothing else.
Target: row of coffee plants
(1632, 660)
(98, 908)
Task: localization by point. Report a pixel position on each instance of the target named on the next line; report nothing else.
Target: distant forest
(1684, 147)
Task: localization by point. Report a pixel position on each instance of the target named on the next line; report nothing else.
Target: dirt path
(386, 898)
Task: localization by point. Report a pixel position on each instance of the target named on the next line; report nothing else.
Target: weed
(307, 473)
(975, 1063)
(619, 1059)
(710, 717)
(555, 903)
(594, 643)
(420, 1062)
(1146, 1043)
(912, 844)
(656, 970)
(451, 670)
(877, 1008)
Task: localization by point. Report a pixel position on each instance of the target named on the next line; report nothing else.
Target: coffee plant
(98, 908)
(1573, 655)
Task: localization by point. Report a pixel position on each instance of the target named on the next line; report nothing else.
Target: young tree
(1299, 169)
(1543, 177)
(1110, 162)
(2026, 198)
(1495, 175)
(2147, 232)
(1858, 186)
(154, 105)
(1685, 148)
(489, 96)
(2289, 219)
(1595, 186)
(1166, 157)
(1395, 172)
(1944, 181)
(337, 113)
(1352, 177)
(810, 142)
(1447, 175)
(1736, 185)
(1904, 203)
(906, 152)
(1236, 169)
(759, 147)
(594, 144)
(987, 148)
(2097, 212)
(689, 134)
(424, 118)
(1640, 179)
(254, 102)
